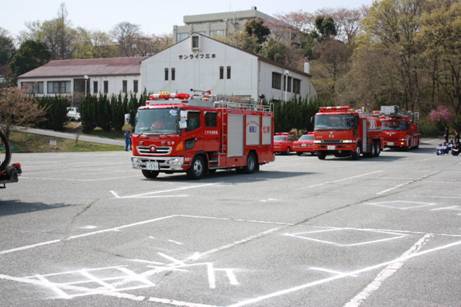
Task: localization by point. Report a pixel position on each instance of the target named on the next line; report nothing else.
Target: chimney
(254, 8)
(307, 66)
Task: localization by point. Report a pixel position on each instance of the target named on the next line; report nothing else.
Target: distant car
(304, 144)
(283, 143)
(73, 114)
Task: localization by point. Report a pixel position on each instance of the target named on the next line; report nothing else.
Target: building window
(229, 72)
(95, 87)
(221, 72)
(211, 119)
(58, 87)
(276, 81)
(195, 42)
(135, 86)
(106, 87)
(173, 74)
(181, 36)
(166, 74)
(125, 86)
(32, 87)
(296, 86)
(289, 84)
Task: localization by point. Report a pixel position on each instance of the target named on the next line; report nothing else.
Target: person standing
(127, 131)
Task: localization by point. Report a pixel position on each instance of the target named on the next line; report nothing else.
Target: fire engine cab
(198, 134)
(400, 129)
(342, 131)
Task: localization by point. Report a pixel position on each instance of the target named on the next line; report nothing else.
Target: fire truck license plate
(390, 143)
(331, 147)
(152, 166)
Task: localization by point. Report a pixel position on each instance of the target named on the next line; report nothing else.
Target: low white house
(78, 77)
(203, 63)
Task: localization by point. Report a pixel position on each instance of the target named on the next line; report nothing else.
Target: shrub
(55, 112)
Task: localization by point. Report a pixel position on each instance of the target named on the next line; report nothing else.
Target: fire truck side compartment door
(267, 130)
(364, 135)
(252, 129)
(235, 135)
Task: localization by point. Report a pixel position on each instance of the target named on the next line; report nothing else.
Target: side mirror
(183, 124)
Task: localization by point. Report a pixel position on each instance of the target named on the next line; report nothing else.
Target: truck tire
(356, 154)
(197, 169)
(252, 164)
(5, 155)
(150, 174)
(321, 155)
(299, 153)
(377, 146)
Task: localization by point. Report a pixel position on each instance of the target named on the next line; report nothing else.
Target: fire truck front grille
(160, 150)
(331, 142)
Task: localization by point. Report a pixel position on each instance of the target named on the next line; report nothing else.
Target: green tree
(326, 26)
(256, 28)
(275, 51)
(7, 48)
(31, 54)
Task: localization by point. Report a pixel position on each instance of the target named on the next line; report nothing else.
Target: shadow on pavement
(231, 176)
(11, 207)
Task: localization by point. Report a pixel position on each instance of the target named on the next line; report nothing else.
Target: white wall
(202, 73)
(115, 84)
(265, 83)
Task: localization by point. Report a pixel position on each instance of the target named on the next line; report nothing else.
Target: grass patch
(21, 142)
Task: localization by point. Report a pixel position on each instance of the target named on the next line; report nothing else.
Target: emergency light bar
(336, 109)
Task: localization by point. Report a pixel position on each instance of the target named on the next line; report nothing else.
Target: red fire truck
(198, 134)
(400, 129)
(342, 131)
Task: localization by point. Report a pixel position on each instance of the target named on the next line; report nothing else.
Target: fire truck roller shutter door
(267, 130)
(235, 135)
(252, 129)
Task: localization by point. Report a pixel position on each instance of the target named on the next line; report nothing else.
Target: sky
(154, 17)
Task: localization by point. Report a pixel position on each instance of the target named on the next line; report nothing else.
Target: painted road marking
(77, 180)
(150, 194)
(302, 236)
(449, 208)
(387, 272)
(338, 277)
(407, 204)
(406, 183)
(344, 179)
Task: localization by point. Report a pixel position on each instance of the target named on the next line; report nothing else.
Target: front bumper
(395, 144)
(167, 164)
(336, 147)
(308, 148)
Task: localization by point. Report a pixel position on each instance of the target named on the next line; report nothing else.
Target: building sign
(197, 56)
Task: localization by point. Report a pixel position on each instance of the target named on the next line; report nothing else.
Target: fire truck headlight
(136, 162)
(317, 141)
(177, 162)
(348, 141)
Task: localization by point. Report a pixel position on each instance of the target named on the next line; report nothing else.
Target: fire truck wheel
(150, 174)
(198, 168)
(377, 149)
(356, 154)
(299, 153)
(252, 164)
(321, 155)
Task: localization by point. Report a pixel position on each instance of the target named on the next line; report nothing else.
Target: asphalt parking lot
(84, 229)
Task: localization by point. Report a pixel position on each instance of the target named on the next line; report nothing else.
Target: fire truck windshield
(394, 125)
(335, 122)
(306, 138)
(157, 121)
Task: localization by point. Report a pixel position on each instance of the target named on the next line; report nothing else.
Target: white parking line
(405, 183)
(341, 276)
(387, 272)
(344, 179)
(146, 194)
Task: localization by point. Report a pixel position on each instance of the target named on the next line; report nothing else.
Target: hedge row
(296, 114)
(56, 111)
(108, 113)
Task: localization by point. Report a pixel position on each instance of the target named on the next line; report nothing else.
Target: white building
(202, 63)
(78, 77)
(227, 23)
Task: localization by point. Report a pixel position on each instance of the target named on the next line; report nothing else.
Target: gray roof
(91, 67)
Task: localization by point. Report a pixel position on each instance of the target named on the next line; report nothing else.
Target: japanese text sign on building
(197, 56)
